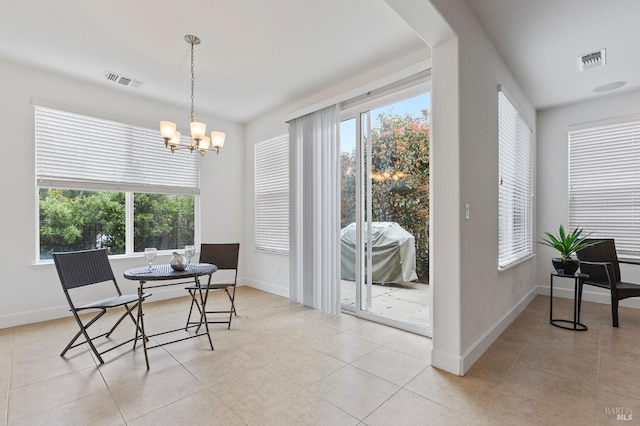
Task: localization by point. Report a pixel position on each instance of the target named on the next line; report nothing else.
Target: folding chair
(84, 268)
(225, 257)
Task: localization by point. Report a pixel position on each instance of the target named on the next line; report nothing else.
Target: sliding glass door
(385, 212)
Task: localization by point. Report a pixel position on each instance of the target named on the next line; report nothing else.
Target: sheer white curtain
(315, 209)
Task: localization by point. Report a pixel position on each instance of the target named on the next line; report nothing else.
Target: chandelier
(199, 140)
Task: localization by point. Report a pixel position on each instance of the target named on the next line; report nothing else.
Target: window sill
(517, 262)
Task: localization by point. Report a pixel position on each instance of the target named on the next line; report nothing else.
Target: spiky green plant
(567, 243)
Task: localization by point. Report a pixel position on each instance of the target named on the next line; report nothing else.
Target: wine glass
(150, 254)
(189, 251)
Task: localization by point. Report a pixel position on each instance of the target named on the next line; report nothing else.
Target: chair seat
(627, 286)
(112, 302)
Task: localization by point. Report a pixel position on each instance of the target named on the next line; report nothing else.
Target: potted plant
(567, 244)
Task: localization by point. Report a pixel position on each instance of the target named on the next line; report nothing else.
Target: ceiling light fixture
(609, 87)
(199, 140)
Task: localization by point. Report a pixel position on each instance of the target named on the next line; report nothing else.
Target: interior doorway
(384, 162)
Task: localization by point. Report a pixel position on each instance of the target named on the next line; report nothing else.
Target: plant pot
(565, 266)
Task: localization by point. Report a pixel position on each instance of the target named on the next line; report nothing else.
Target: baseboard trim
(447, 362)
(62, 311)
(269, 288)
(589, 295)
(479, 347)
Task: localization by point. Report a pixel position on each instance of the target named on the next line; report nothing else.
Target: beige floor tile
(495, 363)
(98, 409)
(509, 408)
(202, 408)
(390, 365)
(255, 391)
(340, 390)
(619, 373)
(306, 366)
(269, 347)
(413, 345)
(29, 400)
(28, 372)
(223, 365)
(566, 361)
(463, 394)
(374, 332)
(550, 388)
(340, 322)
(345, 347)
(303, 408)
(407, 408)
(620, 339)
(282, 363)
(141, 396)
(133, 366)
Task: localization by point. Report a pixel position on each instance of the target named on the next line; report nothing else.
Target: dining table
(164, 275)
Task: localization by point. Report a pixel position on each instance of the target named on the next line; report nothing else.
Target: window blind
(272, 194)
(515, 211)
(76, 151)
(604, 183)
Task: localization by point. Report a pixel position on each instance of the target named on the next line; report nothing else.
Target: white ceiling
(539, 41)
(257, 55)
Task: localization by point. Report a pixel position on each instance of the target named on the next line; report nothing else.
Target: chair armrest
(608, 266)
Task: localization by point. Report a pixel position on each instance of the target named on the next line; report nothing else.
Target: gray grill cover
(393, 255)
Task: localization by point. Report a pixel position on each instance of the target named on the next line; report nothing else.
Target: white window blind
(272, 194)
(604, 183)
(76, 151)
(515, 211)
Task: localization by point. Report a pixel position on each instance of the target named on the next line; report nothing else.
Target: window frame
(135, 145)
(277, 177)
(515, 241)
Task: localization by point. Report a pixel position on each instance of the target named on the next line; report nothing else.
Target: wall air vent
(125, 81)
(592, 60)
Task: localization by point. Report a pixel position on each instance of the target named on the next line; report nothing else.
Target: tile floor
(284, 364)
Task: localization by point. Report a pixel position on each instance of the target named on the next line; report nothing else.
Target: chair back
(605, 251)
(224, 256)
(80, 268)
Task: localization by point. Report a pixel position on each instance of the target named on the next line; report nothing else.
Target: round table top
(165, 272)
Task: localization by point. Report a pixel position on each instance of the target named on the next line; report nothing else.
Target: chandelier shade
(199, 140)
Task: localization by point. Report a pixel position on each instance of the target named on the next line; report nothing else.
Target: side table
(578, 280)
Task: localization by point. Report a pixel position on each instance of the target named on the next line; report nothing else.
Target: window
(515, 174)
(106, 184)
(604, 182)
(272, 194)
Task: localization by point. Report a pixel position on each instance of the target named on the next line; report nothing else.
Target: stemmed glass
(189, 251)
(150, 254)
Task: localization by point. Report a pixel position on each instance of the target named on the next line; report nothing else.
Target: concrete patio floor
(407, 302)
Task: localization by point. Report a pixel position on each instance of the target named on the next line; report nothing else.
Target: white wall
(267, 271)
(472, 301)
(32, 292)
(553, 179)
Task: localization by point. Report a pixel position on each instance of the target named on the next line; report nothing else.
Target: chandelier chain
(193, 118)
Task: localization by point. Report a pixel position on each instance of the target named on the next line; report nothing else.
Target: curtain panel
(315, 210)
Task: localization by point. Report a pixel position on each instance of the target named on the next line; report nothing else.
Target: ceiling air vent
(125, 81)
(592, 60)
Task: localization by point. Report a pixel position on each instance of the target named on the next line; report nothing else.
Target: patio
(407, 302)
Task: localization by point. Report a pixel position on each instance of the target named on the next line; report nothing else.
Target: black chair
(84, 268)
(601, 263)
(225, 257)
